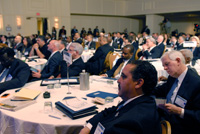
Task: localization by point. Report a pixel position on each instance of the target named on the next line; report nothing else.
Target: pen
(54, 117)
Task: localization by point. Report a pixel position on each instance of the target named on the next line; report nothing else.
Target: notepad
(26, 94)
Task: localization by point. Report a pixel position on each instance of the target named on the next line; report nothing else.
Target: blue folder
(102, 94)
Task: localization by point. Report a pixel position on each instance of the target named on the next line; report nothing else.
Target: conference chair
(136, 54)
(166, 127)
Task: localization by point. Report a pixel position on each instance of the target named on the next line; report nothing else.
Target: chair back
(136, 54)
(166, 127)
(97, 45)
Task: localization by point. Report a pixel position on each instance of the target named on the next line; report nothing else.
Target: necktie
(117, 71)
(169, 95)
(4, 74)
(120, 105)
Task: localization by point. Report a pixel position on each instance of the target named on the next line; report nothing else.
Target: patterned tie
(4, 74)
(169, 95)
(117, 71)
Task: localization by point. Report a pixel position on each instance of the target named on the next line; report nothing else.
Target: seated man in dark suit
(181, 39)
(40, 48)
(52, 65)
(91, 44)
(95, 64)
(182, 94)
(160, 44)
(77, 38)
(62, 46)
(18, 44)
(77, 65)
(14, 73)
(150, 50)
(127, 53)
(137, 113)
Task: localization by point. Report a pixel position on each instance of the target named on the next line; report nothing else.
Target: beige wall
(135, 7)
(51, 9)
(110, 24)
(104, 7)
(108, 14)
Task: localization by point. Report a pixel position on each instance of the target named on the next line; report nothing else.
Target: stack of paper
(26, 94)
(76, 108)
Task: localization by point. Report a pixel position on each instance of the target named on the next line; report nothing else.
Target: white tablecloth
(160, 69)
(86, 55)
(38, 63)
(33, 119)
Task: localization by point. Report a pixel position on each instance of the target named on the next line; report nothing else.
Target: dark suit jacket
(74, 69)
(154, 53)
(120, 42)
(79, 40)
(139, 116)
(162, 48)
(112, 71)
(19, 71)
(179, 46)
(52, 65)
(18, 47)
(190, 91)
(96, 63)
(92, 45)
(62, 31)
(196, 53)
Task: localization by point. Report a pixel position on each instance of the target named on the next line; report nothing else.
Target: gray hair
(77, 47)
(188, 53)
(152, 40)
(63, 42)
(173, 55)
(56, 43)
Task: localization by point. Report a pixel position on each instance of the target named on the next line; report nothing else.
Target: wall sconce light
(19, 22)
(56, 24)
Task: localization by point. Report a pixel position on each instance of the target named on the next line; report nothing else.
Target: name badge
(180, 101)
(100, 129)
(118, 42)
(26, 53)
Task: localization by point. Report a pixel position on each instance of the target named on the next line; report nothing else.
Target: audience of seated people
(77, 65)
(181, 109)
(127, 53)
(137, 113)
(182, 94)
(52, 65)
(95, 65)
(40, 48)
(150, 50)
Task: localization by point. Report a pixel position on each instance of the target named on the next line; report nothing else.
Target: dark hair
(10, 52)
(29, 41)
(146, 71)
(42, 38)
(64, 42)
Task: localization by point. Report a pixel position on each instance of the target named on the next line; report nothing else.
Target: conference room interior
(122, 25)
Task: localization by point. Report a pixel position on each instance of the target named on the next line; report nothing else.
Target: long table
(33, 120)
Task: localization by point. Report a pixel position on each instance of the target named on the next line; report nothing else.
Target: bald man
(52, 64)
(18, 44)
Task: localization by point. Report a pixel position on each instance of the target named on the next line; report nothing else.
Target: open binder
(76, 108)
